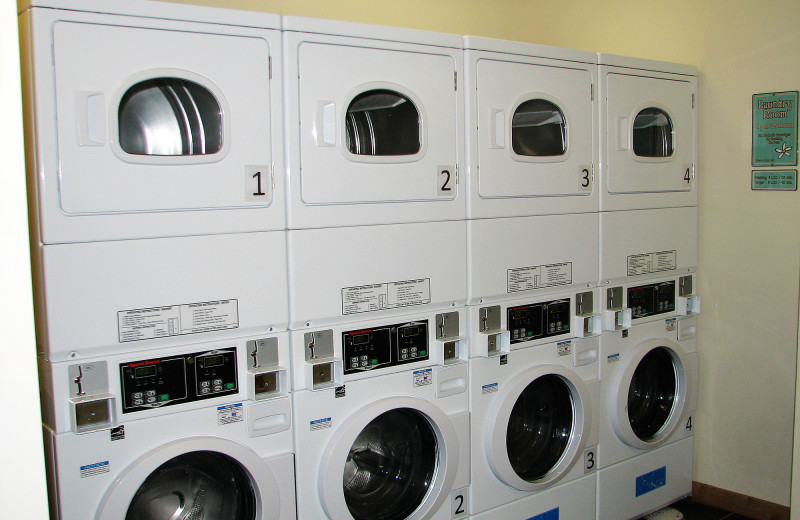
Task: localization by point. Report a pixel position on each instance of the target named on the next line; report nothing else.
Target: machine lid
(390, 466)
(199, 485)
(652, 393)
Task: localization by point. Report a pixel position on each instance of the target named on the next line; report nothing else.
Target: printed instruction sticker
(670, 324)
(782, 180)
(177, 320)
(97, 468)
(489, 389)
(538, 276)
(231, 413)
(652, 262)
(423, 377)
(564, 348)
(775, 129)
(320, 424)
(391, 295)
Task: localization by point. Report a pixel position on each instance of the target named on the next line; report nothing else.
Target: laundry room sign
(775, 129)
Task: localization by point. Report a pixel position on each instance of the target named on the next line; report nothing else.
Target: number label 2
(447, 178)
(459, 503)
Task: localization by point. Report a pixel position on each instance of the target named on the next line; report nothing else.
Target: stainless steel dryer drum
(151, 119)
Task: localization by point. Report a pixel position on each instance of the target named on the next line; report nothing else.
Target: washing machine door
(650, 143)
(654, 394)
(536, 129)
(395, 460)
(194, 479)
(539, 430)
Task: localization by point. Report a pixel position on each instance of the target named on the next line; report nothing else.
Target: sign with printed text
(768, 180)
(775, 129)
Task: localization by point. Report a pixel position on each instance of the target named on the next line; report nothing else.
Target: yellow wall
(749, 249)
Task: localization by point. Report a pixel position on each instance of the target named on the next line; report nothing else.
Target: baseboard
(738, 503)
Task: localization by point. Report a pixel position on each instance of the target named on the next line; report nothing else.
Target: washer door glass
(199, 485)
(651, 396)
(539, 129)
(540, 427)
(652, 133)
(391, 466)
(170, 116)
(382, 122)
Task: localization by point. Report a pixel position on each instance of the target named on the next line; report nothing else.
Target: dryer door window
(652, 393)
(170, 116)
(652, 133)
(540, 427)
(198, 484)
(539, 129)
(382, 122)
(390, 466)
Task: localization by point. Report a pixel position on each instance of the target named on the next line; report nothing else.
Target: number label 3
(586, 178)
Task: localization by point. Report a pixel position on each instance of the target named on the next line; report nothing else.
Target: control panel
(386, 346)
(652, 299)
(153, 383)
(538, 320)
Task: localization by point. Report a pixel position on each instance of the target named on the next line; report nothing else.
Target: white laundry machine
(648, 367)
(374, 124)
(150, 119)
(344, 274)
(648, 124)
(535, 431)
(517, 257)
(103, 298)
(382, 420)
(201, 431)
(531, 129)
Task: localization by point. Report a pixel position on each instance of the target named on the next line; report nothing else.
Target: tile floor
(694, 511)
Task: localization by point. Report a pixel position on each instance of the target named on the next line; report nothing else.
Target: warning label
(391, 295)
(539, 276)
(652, 262)
(320, 424)
(176, 320)
(98, 468)
(231, 413)
(423, 377)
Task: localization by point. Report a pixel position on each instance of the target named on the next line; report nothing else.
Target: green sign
(764, 180)
(775, 129)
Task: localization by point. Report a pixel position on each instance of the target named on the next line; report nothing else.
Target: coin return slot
(322, 375)
(91, 415)
(450, 351)
(266, 384)
(494, 344)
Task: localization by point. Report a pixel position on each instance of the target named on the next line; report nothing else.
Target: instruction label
(320, 424)
(652, 262)
(564, 348)
(782, 180)
(489, 389)
(539, 276)
(391, 295)
(231, 413)
(177, 320)
(423, 377)
(97, 468)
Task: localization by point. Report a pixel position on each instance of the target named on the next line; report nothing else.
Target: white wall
(22, 482)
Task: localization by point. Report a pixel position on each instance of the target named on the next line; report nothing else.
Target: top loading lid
(643, 64)
(528, 49)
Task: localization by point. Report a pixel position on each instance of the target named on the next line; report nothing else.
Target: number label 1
(446, 181)
(459, 504)
(258, 183)
(585, 182)
(590, 459)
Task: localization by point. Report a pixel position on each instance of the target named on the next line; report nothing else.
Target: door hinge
(272, 175)
(693, 101)
(456, 173)
(270, 67)
(591, 92)
(455, 81)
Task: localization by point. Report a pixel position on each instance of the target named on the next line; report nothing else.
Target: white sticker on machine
(539, 276)
(177, 320)
(390, 295)
(652, 262)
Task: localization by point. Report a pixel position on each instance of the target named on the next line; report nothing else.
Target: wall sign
(768, 180)
(775, 129)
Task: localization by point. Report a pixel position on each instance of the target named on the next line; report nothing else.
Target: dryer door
(194, 478)
(376, 125)
(395, 460)
(650, 134)
(655, 395)
(163, 119)
(540, 428)
(536, 130)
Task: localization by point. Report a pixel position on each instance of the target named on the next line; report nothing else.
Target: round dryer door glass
(382, 122)
(199, 485)
(540, 427)
(651, 395)
(169, 116)
(539, 129)
(652, 133)
(390, 466)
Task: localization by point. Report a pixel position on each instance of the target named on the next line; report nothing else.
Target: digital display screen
(212, 361)
(144, 371)
(518, 315)
(410, 331)
(361, 339)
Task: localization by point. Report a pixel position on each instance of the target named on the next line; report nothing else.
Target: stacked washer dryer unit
(159, 246)
(377, 277)
(533, 301)
(648, 259)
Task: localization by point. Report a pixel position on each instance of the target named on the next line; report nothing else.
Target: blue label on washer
(91, 470)
(320, 424)
(547, 515)
(651, 481)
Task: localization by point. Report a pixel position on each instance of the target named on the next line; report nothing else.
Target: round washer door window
(652, 393)
(390, 466)
(653, 133)
(382, 122)
(193, 486)
(540, 427)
